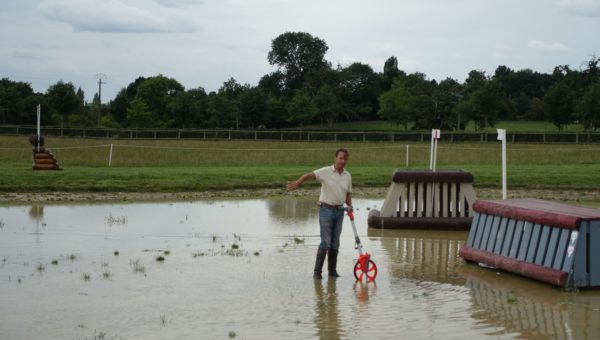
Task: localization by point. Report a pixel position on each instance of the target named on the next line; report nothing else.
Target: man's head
(341, 158)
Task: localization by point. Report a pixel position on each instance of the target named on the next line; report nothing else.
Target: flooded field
(243, 269)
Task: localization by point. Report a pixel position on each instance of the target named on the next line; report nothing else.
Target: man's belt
(325, 205)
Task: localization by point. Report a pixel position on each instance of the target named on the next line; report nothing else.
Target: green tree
(390, 73)
(296, 54)
(328, 104)
(118, 106)
(15, 105)
(359, 89)
(139, 115)
(396, 105)
(302, 110)
(587, 108)
(559, 103)
(156, 92)
(483, 105)
(63, 101)
(253, 107)
(188, 108)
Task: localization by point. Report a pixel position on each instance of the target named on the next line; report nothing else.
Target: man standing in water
(336, 189)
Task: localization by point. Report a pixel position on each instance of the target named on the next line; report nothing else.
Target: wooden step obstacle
(551, 242)
(43, 159)
(427, 200)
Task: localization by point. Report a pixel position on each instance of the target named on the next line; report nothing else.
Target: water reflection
(292, 210)
(36, 212)
(423, 255)
(533, 309)
(327, 316)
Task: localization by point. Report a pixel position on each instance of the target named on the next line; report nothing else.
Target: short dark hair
(342, 150)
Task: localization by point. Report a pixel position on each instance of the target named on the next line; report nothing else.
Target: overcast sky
(205, 42)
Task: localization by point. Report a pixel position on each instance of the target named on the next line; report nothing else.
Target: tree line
(307, 89)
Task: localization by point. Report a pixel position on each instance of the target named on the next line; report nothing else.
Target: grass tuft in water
(163, 320)
(116, 253)
(86, 277)
(160, 258)
(1, 224)
(511, 298)
(137, 266)
(232, 334)
(106, 275)
(235, 246)
(40, 267)
(198, 254)
(72, 257)
(167, 252)
(298, 240)
(54, 262)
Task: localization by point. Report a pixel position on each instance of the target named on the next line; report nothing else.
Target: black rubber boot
(332, 263)
(321, 253)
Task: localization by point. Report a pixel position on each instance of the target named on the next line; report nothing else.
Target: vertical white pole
(435, 153)
(407, 155)
(504, 168)
(110, 155)
(39, 110)
(431, 151)
(502, 137)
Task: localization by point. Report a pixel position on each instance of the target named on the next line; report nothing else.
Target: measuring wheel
(366, 268)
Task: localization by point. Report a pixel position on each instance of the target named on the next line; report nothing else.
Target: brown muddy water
(243, 269)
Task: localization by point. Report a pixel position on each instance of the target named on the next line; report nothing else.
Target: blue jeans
(330, 221)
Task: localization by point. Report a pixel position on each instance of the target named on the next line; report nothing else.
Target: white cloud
(581, 7)
(117, 16)
(544, 46)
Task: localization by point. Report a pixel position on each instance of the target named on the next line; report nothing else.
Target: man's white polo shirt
(334, 186)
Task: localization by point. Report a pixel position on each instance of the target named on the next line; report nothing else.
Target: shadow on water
(498, 299)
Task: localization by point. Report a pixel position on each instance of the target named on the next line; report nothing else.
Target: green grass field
(178, 165)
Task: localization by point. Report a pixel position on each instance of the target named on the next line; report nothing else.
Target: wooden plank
(580, 262)
(510, 229)
(474, 227)
(516, 242)
(420, 199)
(571, 249)
(453, 200)
(561, 248)
(493, 234)
(487, 231)
(390, 204)
(542, 245)
(483, 225)
(411, 200)
(467, 188)
(445, 193)
(533, 242)
(527, 229)
(462, 211)
(594, 253)
(501, 234)
(428, 202)
(551, 252)
(436, 199)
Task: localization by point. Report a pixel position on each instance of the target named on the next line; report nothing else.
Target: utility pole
(100, 77)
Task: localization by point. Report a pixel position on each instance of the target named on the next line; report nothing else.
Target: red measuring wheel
(365, 267)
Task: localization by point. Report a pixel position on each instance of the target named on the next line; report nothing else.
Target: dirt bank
(557, 195)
